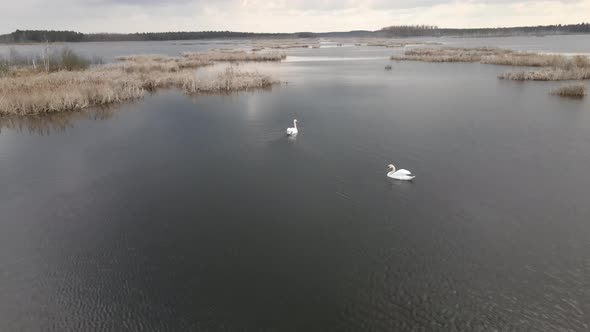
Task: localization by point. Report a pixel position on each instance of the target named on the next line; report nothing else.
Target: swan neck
(295, 124)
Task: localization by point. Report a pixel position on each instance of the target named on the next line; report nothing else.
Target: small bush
(68, 60)
(3, 67)
(64, 59)
(574, 90)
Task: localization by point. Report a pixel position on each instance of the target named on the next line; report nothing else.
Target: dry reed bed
(552, 74)
(395, 44)
(286, 44)
(34, 92)
(233, 56)
(450, 54)
(556, 67)
(66, 91)
(527, 59)
(559, 68)
(573, 90)
(149, 63)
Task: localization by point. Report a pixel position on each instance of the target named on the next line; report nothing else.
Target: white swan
(293, 131)
(402, 174)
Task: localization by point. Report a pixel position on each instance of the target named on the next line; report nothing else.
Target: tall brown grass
(286, 43)
(559, 68)
(27, 91)
(149, 63)
(449, 54)
(556, 67)
(66, 91)
(573, 90)
(551, 74)
(526, 59)
(397, 43)
(233, 56)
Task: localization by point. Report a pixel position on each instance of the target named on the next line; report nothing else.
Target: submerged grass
(572, 91)
(31, 92)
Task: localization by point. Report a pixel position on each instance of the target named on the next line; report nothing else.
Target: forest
(42, 36)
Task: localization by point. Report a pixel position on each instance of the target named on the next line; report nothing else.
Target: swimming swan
(402, 174)
(293, 131)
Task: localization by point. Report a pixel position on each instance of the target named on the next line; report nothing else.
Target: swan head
(295, 120)
(390, 167)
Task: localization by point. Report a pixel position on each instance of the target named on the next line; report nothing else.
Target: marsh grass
(449, 54)
(233, 56)
(67, 91)
(571, 91)
(33, 92)
(396, 43)
(551, 74)
(287, 44)
(555, 67)
(558, 68)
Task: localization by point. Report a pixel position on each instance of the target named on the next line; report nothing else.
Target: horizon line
(296, 32)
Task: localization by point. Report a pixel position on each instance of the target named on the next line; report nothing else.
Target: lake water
(198, 214)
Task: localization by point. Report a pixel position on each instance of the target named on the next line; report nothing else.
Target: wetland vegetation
(555, 67)
(74, 83)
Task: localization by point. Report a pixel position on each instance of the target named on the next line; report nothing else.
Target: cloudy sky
(281, 15)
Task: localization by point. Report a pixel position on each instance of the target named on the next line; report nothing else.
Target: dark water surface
(198, 214)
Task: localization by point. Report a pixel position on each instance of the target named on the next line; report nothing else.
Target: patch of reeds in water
(397, 43)
(571, 91)
(149, 63)
(66, 91)
(286, 43)
(233, 56)
(33, 92)
(560, 68)
(552, 74)
(555, 67)
(449, 54)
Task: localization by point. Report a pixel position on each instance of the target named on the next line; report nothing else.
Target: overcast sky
(280, 15)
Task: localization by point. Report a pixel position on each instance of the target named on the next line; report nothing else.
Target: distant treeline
(41, 36)
(427, 30)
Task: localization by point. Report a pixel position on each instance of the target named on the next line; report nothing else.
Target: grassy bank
(34, 92)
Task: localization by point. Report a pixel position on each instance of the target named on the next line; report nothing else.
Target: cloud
(281, 15)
